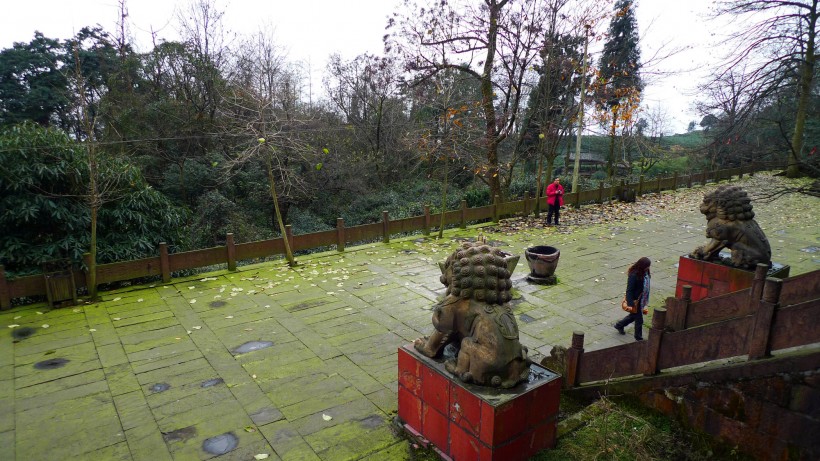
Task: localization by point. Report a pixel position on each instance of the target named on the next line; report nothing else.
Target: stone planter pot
(543, 260)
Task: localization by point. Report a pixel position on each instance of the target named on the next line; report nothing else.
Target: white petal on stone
(261, 456)
(197, 327)
(253, 376)
(116, 318)
(229, 317)
(192, 301)
(45, 325)
(191, 288)
(39, 313)
(116, 299)
(139, 300)
(326, 417)
(92, 330)
(13, 325)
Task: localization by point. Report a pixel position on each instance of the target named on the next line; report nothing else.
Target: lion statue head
(728, 203)
(477, 271)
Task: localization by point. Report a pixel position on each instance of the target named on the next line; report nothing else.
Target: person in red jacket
(555, 199)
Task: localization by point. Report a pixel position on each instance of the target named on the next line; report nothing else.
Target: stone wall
(769, 409)
(773, 417)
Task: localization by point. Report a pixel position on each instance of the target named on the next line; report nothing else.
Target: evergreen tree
(552, 105)
(620, 85)
(32, 86)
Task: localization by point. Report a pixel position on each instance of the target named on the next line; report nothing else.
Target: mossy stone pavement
(156, 372)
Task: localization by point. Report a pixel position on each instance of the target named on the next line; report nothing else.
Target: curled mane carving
(479, 272)
(729, 203)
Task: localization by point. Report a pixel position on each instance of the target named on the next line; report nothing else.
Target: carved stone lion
(475, 317)
(730, 224)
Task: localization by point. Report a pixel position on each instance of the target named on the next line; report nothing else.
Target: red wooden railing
(165, 264)
(772, 315)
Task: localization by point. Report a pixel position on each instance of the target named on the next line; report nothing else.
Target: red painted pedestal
(475, 423)
(710, 279)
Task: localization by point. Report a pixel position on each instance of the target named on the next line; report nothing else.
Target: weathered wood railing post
(759, 280)
(526, 203)
(230, 246)
(640, 186)
(164, 262)
(600, 192)
(574, 354)
(340, 234)
(385, 227)
(751, 168)
(704, 177)
(463, 214)
(496, 206)
(653, 344)
(740, 175)
(675, 182)
(5, 295)
(87, 261)
(426, 229)
(759, 345)
(677, 309)
(689, 180)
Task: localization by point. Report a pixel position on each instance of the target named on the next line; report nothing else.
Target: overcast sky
(313, 29)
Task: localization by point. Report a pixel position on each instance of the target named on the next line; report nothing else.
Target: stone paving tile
(326, 387)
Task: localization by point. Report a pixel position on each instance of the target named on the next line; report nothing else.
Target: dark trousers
(637, 318)
(553, 209)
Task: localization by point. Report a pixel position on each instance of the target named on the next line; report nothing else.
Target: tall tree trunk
(272, 183)
(804, 93)
(540, 183)
(92, 259)
(443, 199)
(491, 124)
(610, 169)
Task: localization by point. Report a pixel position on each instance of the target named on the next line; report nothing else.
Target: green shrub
(477, 195)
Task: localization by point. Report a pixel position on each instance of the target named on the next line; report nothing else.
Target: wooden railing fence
(772, 315)
(166, 263)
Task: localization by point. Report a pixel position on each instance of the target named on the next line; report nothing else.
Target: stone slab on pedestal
(476, 423)
(710, 279)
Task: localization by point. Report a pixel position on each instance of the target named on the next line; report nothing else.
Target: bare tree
(262, 113)
(103, 175)
(365, 92)
(494, 42)
(779, 49)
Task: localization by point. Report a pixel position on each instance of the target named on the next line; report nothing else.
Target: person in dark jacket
(637, 296)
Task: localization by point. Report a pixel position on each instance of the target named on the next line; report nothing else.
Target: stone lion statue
(730, 224)
(475, 317)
